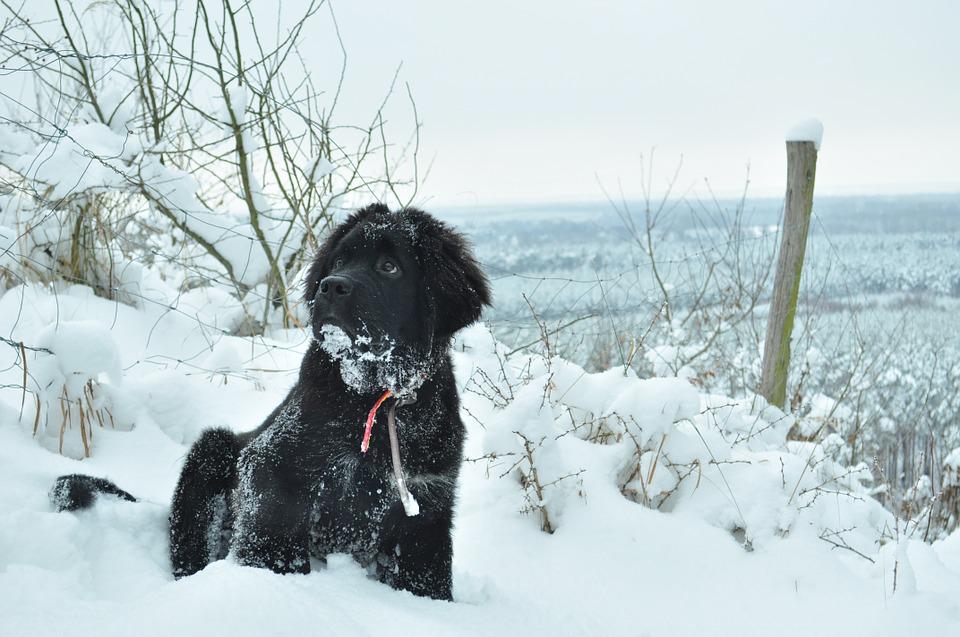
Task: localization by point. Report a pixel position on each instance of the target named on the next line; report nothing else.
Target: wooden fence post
(801, 171)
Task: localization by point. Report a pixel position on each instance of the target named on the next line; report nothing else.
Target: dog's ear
(320, 261)
(459, 287)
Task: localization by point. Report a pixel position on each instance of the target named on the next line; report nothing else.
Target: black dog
(387, 291)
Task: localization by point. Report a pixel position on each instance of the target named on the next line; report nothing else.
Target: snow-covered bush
(524, 434)
(567, 437)
(164, 150)
(947, 503)
(74, 378)
(679, 288)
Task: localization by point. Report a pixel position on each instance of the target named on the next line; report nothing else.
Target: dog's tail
(77, 491)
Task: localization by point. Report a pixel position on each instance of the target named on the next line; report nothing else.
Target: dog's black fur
(77, 491)
(298, 487)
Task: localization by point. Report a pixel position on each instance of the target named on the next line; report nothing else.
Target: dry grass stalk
(36, 415)
(65, 422)
(83, 430)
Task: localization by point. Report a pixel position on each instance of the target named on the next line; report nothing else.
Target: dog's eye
(389, 267)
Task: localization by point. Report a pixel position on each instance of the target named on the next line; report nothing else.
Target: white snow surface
(809, 130)
(613, 566)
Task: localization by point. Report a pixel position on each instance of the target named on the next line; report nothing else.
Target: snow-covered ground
(754, 535)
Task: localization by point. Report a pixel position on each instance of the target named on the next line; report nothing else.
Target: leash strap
(410, 505)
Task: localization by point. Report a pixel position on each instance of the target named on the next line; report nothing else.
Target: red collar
(368, 429)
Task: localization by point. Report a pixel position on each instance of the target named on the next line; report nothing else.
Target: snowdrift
(589, 503)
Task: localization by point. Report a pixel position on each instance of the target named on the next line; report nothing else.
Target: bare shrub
(149, 138)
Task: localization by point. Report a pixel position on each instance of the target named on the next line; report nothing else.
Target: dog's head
(390, 288)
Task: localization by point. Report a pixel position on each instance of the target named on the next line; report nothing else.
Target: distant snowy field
(745, 541)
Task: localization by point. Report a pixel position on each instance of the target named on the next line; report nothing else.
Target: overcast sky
(538, 101)
(532, 100)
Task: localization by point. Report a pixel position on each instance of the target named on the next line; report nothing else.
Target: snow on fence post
(803, 143)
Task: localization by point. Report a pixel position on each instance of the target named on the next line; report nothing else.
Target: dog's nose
(336, 286)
